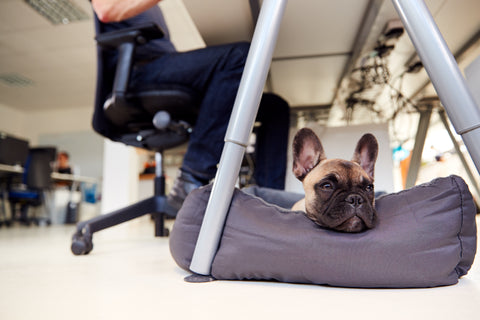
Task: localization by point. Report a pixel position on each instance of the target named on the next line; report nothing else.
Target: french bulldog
(339, 194)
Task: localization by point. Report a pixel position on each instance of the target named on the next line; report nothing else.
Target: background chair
(13, 152)
(156, 120)
(37, 181)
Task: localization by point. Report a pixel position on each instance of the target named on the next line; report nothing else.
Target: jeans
(271, 143)
(214, 74)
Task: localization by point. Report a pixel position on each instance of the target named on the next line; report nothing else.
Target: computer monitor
(13, 151)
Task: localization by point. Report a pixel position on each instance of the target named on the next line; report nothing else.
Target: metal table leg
(443, 72)
(239, 129)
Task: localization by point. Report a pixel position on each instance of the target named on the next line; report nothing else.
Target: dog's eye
(326, 186)
(369, 188)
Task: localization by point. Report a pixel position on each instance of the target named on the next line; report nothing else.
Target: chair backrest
(38, 168)
(130, 119)
(104, 85)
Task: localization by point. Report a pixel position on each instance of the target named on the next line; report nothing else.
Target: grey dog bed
(425, 237)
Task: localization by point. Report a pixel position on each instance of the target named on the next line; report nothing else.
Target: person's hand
(118, 10)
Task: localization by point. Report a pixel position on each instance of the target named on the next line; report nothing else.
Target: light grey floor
(131, 275)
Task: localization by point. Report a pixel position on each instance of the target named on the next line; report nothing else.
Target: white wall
(30, 125)
(57, 121)
(12, 121)
(340, 142)
(120, 176)
(84, 147)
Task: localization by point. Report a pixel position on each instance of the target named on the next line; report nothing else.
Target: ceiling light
(58, 11)
(15, 80)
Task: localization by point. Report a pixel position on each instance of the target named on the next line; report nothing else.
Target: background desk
(60, 197)
(55, 175)
(72, 177)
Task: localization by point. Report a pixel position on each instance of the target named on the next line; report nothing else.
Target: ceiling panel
(220, 21)
(58, 59)
(16, 16)
(458, 20)
(323, 26)
(307, 82)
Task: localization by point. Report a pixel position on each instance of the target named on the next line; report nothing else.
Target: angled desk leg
(443, 72)
(239, 129)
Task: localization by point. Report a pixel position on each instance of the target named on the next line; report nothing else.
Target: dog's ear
(366, 153)
(307, 152)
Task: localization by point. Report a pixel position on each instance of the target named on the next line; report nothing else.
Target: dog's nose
(354, 200)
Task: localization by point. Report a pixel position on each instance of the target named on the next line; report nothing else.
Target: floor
(131, 275)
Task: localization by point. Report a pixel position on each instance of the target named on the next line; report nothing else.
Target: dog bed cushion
(425, 237)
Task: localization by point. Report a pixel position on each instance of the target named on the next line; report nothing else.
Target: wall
(57, 121)
(33, 124)
(12, 121)
(84, 147)
(120, 176)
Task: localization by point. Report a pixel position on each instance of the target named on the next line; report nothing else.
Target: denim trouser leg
(214, 73)
(271, 142)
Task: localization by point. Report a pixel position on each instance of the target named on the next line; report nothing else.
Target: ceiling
(321, 46)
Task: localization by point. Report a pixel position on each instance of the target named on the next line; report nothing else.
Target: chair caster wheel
(81, 245)
(162, 233)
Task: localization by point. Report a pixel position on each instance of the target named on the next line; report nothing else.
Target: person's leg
(207, 140)
(214, 73)
(272, 142)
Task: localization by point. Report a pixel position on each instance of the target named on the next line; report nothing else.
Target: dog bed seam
(460, 193)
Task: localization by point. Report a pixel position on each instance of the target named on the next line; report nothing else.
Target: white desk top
(55, 175)
(9, 168)
(72, 177)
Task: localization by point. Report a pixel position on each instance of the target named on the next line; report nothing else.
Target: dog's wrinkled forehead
(340, 170)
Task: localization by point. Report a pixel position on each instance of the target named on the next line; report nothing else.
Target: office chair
(37, 181)
(154, 119)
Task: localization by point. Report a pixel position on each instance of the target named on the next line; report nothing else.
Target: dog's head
(339, 194)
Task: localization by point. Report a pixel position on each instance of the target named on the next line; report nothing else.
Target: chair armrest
(140, 35)
(125, 41)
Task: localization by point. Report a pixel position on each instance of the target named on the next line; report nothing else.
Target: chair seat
(23, 195)
(154, 139)
(140, 107)
(134, 117)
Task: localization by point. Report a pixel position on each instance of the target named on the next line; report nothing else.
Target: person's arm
(118, 10)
